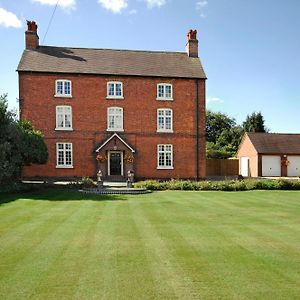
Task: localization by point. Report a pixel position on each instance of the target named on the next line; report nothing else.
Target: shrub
(225, 185)
(87, 182)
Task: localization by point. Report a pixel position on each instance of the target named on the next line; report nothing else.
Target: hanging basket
(101, 158)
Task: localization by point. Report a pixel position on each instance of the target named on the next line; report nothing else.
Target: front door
(115, 163)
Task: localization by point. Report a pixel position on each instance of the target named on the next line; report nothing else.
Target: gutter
(197, 129)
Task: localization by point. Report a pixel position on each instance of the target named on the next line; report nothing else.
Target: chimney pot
(31, 36)
(192, 43)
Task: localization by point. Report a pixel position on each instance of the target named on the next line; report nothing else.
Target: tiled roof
(275, 143)
(110, 62)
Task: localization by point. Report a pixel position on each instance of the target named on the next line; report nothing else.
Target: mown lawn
(60, 244)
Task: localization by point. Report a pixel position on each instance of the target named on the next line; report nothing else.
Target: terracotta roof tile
(275, 143)
(110, 62)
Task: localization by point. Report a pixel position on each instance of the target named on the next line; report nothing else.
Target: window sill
(165, 168)
(64, 167)
(115, 97)
(63, 129)
(62, 96)
(165, 131)
(165, 99)
(114, 130)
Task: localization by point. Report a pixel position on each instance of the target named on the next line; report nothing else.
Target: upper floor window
(63, 117)
(164, 120)
(64, 155)
(115, 90)
(164, 91)
(115, 119)
(63, 88)
(165, 156)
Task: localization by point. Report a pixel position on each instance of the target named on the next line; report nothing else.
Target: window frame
(164, 117)
(164, 94)
(114, 96)
(64, 128)
(108, 118)
(165, 167)
(64, 81)
(64, 150)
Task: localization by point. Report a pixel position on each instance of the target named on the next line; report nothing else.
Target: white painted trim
(63, 95)
(64, 129)
(122, 161)
(158, 167)
(115, 129)
(164, 98)
(110, 138)
(64, 113)
(114, 96)
(64, 150)
(157, 120)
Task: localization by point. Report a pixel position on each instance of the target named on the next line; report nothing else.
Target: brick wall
(89, 118)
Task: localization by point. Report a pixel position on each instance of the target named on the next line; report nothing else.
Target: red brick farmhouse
(115, 110)
(270, 155)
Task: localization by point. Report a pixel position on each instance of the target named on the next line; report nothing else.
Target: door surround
(108, 162)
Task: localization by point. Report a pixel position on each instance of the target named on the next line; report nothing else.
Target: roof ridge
(110, 49)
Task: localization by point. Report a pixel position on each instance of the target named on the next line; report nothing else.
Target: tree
(216, 122)
(223, 135)
(255, 123)
(20, 144)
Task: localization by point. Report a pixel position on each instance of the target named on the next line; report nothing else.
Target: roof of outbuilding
(111, 62)
(275, 143)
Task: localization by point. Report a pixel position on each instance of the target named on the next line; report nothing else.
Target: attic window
(114, 90)
(63, 88)
(164, 91)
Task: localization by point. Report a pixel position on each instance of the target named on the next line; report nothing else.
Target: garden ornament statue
(99, 179)
(130, 179)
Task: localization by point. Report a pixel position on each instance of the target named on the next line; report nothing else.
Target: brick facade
(89, 105)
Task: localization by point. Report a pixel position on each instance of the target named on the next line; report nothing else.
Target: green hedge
(226, 185)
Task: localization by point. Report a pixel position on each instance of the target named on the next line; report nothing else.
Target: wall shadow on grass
(58, 194)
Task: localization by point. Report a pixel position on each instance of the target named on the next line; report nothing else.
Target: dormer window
(114, 90)
(164, 91)
(63, 88)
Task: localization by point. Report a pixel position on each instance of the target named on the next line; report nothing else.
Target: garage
(293, 166)
(271, 165)
(269, 154)
(244, 164)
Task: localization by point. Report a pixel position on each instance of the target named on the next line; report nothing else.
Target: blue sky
(250, 49)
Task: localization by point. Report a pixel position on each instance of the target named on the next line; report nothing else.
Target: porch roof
(119, 138)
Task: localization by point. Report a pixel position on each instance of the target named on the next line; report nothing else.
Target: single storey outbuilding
(269, 154)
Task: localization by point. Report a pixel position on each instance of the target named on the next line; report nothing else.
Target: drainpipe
(197, 129)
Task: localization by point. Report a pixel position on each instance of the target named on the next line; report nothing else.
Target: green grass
(60, 244)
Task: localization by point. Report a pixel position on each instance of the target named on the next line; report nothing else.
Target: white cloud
(200, 5)
(66, 4)
(9, 19)
(214, 100)
(153, 3)
(132, 12)
(115, 6)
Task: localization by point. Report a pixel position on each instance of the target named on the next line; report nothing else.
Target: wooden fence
(222, 167)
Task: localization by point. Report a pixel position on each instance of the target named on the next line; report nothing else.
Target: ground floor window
(64, 156)
(165, 156)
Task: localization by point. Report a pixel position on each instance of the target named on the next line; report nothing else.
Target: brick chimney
(192, 44)
(31, 36)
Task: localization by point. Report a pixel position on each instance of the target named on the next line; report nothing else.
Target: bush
(18, 187)
(87, 182)
(225, 185)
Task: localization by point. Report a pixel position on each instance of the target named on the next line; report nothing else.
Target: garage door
(271, 165)
(293, 166)
(244, 166)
